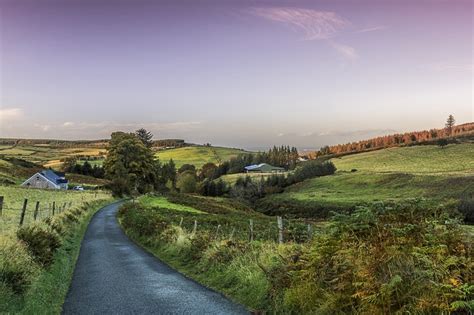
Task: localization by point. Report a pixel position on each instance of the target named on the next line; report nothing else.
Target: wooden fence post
(251, 230)
(1, 205)
(23, 211)
(195, 226)
(280, 229)
(310, 231)
(64, 206)
(54, 207)
(35, 214)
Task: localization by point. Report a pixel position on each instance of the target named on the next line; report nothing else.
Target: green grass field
(163, 202)
(428, 159)
(430, 172)
(198, 155)
(15, 196)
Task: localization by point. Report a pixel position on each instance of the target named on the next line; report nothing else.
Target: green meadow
(14, 197)
(431, 172)
(424, 160)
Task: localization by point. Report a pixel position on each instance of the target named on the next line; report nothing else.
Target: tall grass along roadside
(37, 263)
(384, 258)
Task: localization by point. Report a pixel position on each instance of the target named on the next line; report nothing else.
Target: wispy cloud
(10, 113)
(345, 51)
(312, 24)
(371, 29)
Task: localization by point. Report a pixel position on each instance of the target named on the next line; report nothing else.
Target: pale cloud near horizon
(447, 66)
(10, 113)
(68, 124)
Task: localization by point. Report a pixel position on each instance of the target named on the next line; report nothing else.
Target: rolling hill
(431, 172)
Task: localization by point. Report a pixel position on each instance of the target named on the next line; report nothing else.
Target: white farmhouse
(47, 179)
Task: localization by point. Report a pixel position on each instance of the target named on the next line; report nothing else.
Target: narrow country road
(115, 276)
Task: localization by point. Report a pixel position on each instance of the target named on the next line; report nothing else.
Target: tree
(130, 165)
(187, 168)
(168, 173)
(186, 182)
(325, 150)
(450, 124)
(208, 170)
(69, 163)
(86, 168)
(145, 137)
(442, 142)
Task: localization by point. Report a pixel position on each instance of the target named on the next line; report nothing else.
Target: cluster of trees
(204, 182)
(283, 156)
(408, 138)
(85, 169)
(175, 143)
(131, 167)
(245, 188)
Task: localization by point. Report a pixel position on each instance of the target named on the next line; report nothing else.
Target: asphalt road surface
(115, 276)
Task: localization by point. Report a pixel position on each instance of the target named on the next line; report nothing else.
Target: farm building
(263, 168)
(47, 179)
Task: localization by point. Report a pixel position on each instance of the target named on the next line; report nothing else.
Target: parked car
(78, 188)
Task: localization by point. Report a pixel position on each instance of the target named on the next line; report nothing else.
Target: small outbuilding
(47, 179)
(263, 168)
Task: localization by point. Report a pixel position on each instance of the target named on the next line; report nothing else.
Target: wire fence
(15, 213)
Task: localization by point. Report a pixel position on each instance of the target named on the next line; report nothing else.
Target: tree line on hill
(72, 166)
(408, 138)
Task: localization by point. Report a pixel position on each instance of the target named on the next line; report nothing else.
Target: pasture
(15, 196)
(50, 155)
(198, 155)
(431, 172)
(454, 159)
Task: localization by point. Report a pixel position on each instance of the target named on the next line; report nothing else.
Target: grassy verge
(386, 258)
(48, 290)
(218, 254)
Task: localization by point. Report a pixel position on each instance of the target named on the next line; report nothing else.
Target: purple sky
(239, 73)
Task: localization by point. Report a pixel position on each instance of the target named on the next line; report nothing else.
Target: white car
(78, 188)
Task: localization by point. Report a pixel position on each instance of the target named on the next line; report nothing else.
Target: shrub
(17, 268)
(466, 208)
(186, 182)
(41, 240)
(145, 220)
(55, 224)
(385, 259)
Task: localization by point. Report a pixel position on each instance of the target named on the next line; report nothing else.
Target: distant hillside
(431, 172)
(53, 143)
(198, 155)
(405, 139)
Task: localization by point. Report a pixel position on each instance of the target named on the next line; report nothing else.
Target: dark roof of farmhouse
(55, 177)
